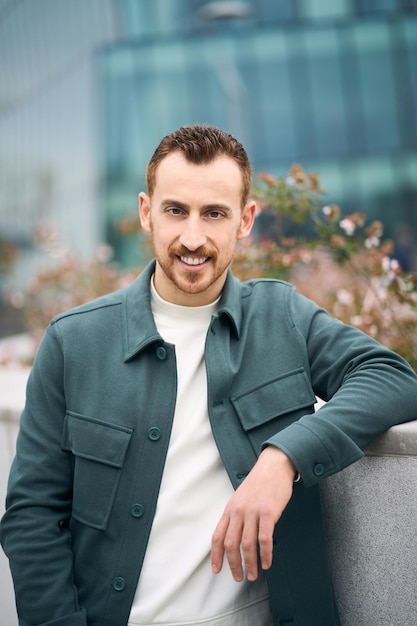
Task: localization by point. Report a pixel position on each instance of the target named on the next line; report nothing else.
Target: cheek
(162, 238)
(226, 245)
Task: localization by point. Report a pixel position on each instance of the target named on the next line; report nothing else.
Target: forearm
(334, 437)
(366, 389)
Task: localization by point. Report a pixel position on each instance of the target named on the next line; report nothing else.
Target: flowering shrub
(71, 282)
(337, 260)
(342, 263)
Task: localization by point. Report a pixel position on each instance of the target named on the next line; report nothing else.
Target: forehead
(221, 175)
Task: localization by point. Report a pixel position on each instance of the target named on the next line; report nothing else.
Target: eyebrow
(215, 206)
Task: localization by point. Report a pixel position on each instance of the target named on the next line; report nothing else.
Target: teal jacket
(95, 431)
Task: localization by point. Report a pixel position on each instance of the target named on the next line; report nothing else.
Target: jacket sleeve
(34, 530)
(367, 389)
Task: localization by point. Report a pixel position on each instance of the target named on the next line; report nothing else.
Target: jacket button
(119, 583)
(154, 433)
(318, 469)
(161, 353)
(137, 510)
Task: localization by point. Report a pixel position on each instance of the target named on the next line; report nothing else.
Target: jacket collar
(139, 329)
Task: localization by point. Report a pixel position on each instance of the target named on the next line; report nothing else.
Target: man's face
(195, 218)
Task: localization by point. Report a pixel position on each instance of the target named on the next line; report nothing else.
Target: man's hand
(251, 514)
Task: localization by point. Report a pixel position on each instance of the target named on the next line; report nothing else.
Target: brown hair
(201, 143)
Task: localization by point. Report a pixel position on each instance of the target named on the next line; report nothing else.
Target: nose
(192, 236)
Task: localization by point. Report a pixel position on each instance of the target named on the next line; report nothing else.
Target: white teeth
(192, 261)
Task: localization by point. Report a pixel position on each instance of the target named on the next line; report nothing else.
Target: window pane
(377, 85)
(328, 102)
(272, 121)
(301, 95)
(319, 9)
(410, 39)
(268, 11)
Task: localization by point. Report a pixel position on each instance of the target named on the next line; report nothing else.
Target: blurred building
(88, 87)
(48, 127)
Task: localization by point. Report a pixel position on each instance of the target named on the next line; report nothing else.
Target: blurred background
(89, 87)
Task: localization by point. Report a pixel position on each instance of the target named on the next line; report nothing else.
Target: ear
(247, 220)
(145, 211)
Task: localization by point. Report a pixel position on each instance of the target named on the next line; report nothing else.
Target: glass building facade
(88, 88)
(329, 84)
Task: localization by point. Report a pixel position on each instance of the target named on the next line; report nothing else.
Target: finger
(265, 540)
(217, 544)
(250, 549)
(232, 543)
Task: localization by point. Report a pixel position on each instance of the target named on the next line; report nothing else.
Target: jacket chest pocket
(99, 450)
(269, 407)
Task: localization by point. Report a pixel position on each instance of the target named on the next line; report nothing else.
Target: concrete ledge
(400, 440)
(370, 513)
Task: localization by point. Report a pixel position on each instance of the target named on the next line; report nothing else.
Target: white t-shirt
(176, 585)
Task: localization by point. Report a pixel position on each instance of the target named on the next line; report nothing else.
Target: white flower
(372, 242)
(306, 256)
(348, 225)
(386, 264)
(344, 297)
(331, 211)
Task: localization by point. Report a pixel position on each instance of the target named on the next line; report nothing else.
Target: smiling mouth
(194, 261)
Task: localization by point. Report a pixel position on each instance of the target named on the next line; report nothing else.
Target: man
(169, 457)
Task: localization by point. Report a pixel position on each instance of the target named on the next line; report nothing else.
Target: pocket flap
(284, 394)
(96, 440)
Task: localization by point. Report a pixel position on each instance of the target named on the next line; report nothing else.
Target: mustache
(198, 252)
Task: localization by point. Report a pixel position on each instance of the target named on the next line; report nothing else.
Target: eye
(215, 215)
(174, 210)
